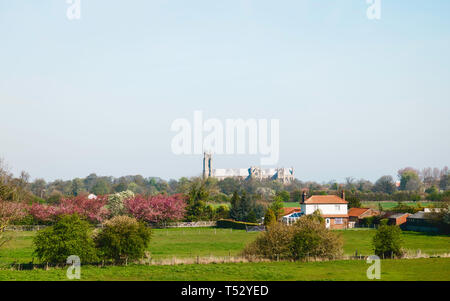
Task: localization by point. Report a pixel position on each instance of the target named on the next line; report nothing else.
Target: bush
(387, 241)
(308, 237)
(70, 235)
(269, 218)
(312, 239)
(229, 223)
(123, 238)
(272, 244)
(384, 222)
(222, 212)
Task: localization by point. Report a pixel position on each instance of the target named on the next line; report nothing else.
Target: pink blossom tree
(94, 210)
(9, 212)
(157, 209)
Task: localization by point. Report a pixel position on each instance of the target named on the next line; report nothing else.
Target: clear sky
(355, 97)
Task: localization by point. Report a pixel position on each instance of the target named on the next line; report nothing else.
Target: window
(337, 207)
(338, 221)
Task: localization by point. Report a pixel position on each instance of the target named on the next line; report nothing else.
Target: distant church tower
(207, 165)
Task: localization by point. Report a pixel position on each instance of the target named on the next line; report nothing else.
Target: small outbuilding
(355, 215)
(398, 219)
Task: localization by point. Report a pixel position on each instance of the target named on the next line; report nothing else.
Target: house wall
(327, 209)
(399, 220)
(335, 226)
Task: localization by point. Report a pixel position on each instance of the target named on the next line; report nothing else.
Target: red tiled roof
(357, 211)
(287, 211)
(325, 199)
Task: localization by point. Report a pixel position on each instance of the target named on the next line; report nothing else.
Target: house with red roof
(332, 208)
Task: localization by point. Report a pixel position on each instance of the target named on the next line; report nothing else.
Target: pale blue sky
(354, 97)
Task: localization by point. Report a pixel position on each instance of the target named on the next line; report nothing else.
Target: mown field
(206, 242)
(432, 269)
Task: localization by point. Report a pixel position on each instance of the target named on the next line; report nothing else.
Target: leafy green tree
(196, 202)
(77, 186)
(68, 236)
(8, 193)
(277, 208)
(283, 195)
(38, 187)
(353, 201)
(55, 197)
(210, 213)
(269, 218)
(296, 196)
(222, 212)
(432, 189)
(115, 202)
(243, 208)
(229, 185)
(444, 183)
(387, 241)
(123, 238)
(251, 217)
(101, 187)
(385, 184)
(122, 186)
(409, 179)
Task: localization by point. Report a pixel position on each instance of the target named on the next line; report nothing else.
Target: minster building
(284, 175)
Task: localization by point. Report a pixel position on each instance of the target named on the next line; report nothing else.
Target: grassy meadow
(211, 242)
(432, 269)
(205, 242)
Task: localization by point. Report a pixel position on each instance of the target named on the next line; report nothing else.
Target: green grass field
(205, 242)
(178, 242)
(433, 269)
(389, 205)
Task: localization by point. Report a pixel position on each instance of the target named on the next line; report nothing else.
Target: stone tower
(207, 165)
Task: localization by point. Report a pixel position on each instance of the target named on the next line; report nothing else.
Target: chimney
(303, 196)
(343, 194)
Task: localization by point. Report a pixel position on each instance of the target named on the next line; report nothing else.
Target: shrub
(123, 238)
(222, 212)
(312, 239)
(308, 237)
(387, 241)
(269, 218)
(272, 244)
(70, 235)
(384, 222)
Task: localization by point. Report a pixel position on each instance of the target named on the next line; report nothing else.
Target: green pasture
(431, 269)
